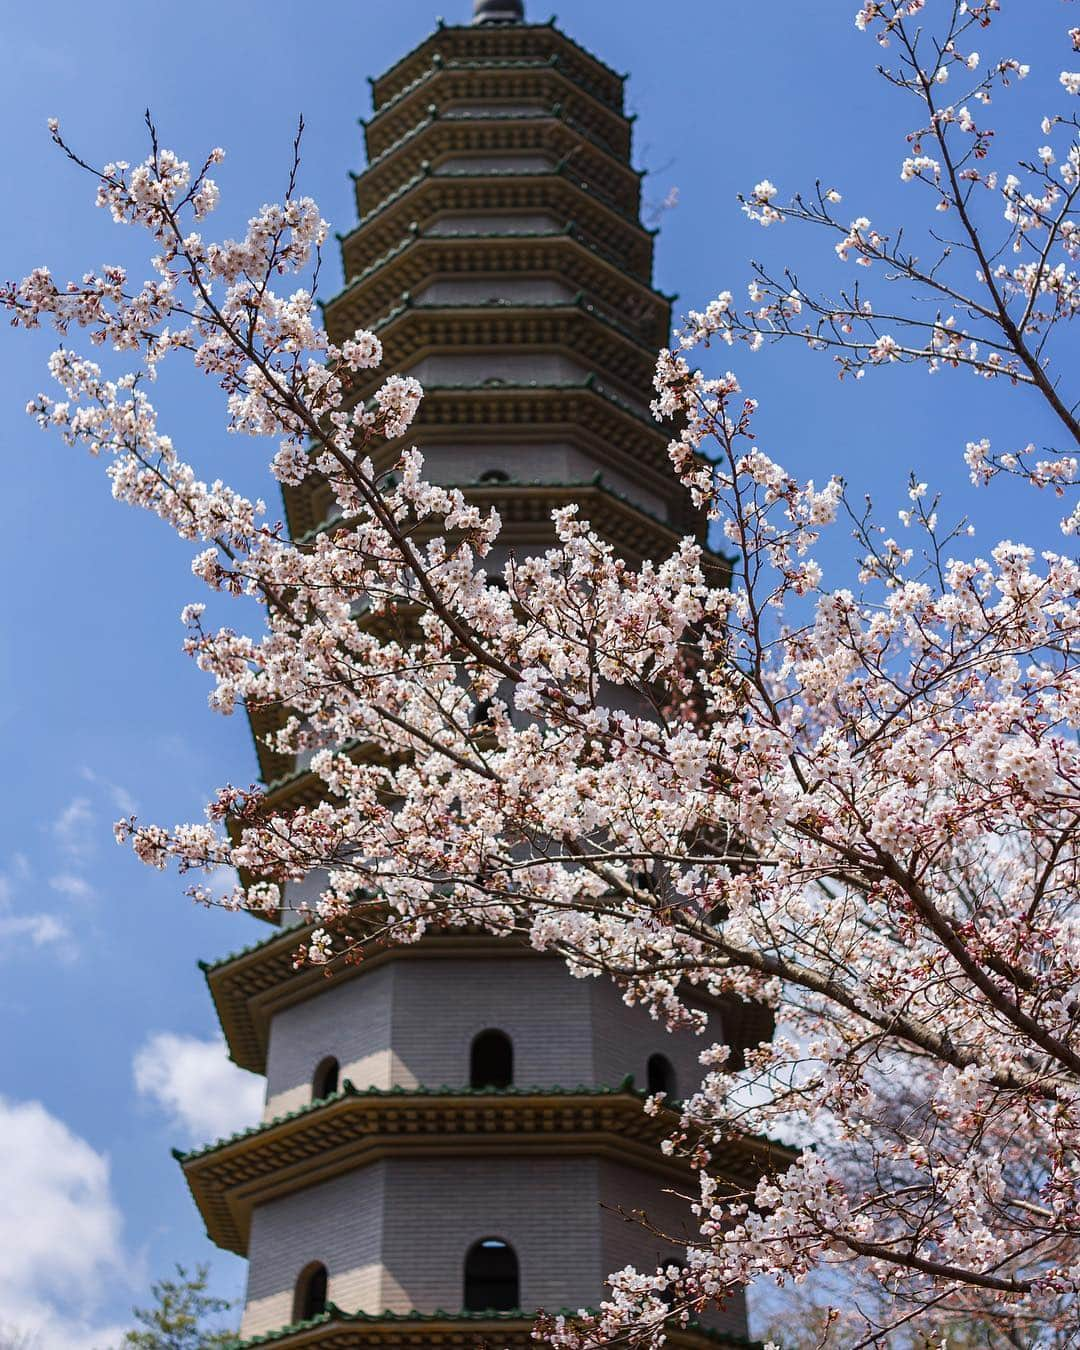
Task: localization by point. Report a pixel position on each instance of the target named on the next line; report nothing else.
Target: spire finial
(498, 11)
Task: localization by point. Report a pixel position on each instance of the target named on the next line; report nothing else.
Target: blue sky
(100, 712)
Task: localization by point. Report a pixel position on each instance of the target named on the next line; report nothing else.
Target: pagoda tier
(525, 263)
(463, 1100)
(251, 987)
(439, 201)
(501, 258)
(544, 133)
(484, 45)
(354, 1128)
(389, 1175)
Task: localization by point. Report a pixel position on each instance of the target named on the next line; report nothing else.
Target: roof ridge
(443, 27)
(350, 1092)
(554, 113)
(430, 173)
(578, 301)
(567, 231)
(334, 1313)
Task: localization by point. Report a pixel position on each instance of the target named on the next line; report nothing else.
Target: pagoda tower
(453, 1134)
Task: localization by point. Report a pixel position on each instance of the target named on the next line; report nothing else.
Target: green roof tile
(335, 1314)
(551, 62)
(568, 231)
(349, 1090)
(562, 170)
(208, 966)
(498, 115)
(442, 27)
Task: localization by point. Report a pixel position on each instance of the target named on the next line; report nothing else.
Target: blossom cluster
(697, 774)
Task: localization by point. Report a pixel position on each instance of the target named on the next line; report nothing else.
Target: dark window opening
(310, 1300)
(325, 1081)
(491, 1277)
(669, 1295)
(660, 1076)
(494, 476)
(491, 1062)
(480, 714)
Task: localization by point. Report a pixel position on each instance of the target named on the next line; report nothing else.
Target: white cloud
(17, 870)
(120, 797)
(193, 1081)
(36, 929)
(75, 887)
(21, 931)
(73, 829)
(60, 1231)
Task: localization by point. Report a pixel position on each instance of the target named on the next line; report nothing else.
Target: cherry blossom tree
(857, 804)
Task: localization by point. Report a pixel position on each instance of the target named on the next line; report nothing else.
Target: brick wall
(394, 1235)
(628, 1243)
(338, 1223)
(545, 1208)
(349, 1019)
(624, 1038)
(412, 1022)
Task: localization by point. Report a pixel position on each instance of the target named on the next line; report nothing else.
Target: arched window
(480, 714)
(660, 1076)
(491, 1277)
(669, 1295)
(491, 1062)
(310, 1298)
(494, 476)
(325, 1081)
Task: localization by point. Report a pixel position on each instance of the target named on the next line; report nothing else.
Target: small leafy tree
(179, 1317)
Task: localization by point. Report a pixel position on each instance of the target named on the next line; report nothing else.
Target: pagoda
(453, 1138)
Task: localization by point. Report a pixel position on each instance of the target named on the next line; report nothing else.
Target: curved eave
(435, 196)
(338, 1330)
(526, 517)
(263, 721)
(509, 188)
(354, 1129)
(565, 254)
(496, 79)
(436, 142)
(412, 332)
(517, 41)
(618, 151)
(581, 412)
(251, 986)
(472, 120)
(526, 520)
(528, 311)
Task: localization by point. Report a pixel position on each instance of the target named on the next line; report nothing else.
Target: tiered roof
(499, 159)
(499, 172)
(355, 1127)
(519, 42)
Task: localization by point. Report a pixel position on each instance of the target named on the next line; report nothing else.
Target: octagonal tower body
(501, 258)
